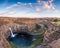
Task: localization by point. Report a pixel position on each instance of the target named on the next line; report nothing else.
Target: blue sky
(30, 8)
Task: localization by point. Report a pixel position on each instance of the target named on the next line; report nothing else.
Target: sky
(30, 8)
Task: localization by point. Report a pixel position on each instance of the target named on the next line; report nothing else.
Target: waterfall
(12, 35)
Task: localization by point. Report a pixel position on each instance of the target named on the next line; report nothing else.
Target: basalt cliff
(49, 29)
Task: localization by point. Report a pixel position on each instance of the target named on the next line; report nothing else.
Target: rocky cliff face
(26, 25)
(51, 34)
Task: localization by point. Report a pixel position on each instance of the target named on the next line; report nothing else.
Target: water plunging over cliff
(21, 38)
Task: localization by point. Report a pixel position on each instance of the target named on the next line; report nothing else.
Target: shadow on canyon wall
(38, 26)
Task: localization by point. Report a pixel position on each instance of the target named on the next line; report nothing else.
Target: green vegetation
(56, 20)
(37, 41)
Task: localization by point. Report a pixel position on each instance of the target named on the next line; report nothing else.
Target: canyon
(46, 27)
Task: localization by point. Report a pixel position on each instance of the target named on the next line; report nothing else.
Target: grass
(56, 20)
(37, 41)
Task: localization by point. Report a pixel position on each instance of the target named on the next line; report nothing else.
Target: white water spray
(12, 35)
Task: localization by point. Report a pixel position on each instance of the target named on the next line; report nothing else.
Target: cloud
(50, 1)
(46, 5)
(40, 6)
(37, 9)
(38, 1)
(14, 5)
(30, 4)
(9, 8)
